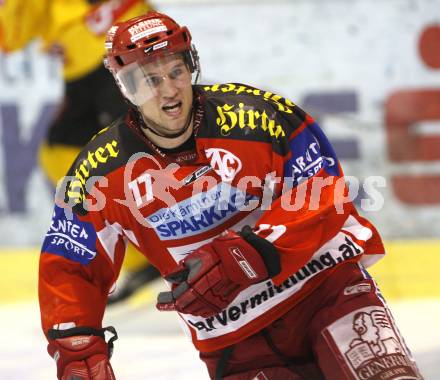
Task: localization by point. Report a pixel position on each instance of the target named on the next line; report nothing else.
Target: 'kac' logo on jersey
(70, 237)
(224, 163)
(372, 346)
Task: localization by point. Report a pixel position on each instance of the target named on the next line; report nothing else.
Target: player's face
(168, 81)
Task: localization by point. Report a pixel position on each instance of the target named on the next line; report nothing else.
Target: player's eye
(153, 80)
(176, 73)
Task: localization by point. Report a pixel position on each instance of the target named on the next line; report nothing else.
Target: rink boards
(409, 270)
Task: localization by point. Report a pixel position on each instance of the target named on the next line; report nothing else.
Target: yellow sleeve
(73, 29)
(20, 22)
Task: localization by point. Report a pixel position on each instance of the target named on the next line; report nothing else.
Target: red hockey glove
(209, 279)
(82, 357)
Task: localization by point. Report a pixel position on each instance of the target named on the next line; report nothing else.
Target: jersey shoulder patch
(239, 111)
(70, 237)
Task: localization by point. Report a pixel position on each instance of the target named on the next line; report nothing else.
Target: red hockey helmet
(140, 40)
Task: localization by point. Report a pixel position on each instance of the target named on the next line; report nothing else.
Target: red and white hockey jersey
(258, 160)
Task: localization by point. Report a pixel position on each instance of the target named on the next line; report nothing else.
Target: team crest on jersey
(224, 163)
(371, 345)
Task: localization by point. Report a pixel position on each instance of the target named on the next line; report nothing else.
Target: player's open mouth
(173, 109)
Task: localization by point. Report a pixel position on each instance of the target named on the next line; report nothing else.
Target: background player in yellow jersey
(75, 30)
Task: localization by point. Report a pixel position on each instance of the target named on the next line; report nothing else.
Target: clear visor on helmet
(141, 81)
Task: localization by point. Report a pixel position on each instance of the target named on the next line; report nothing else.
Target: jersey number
(134, 187)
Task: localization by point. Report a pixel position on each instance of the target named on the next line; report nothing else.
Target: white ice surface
(152, 346)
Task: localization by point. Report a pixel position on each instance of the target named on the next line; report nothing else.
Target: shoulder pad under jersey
(239, 111)
(107, 151)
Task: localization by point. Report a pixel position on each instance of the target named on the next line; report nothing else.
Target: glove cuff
(78, 348)
(54, 334)
(265, 248)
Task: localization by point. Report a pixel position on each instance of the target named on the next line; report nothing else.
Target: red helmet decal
(146, 28)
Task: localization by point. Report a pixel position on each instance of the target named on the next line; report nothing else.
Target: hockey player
(237, 197)
(75, 30)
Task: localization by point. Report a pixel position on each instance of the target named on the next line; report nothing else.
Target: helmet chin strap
(147, 121)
